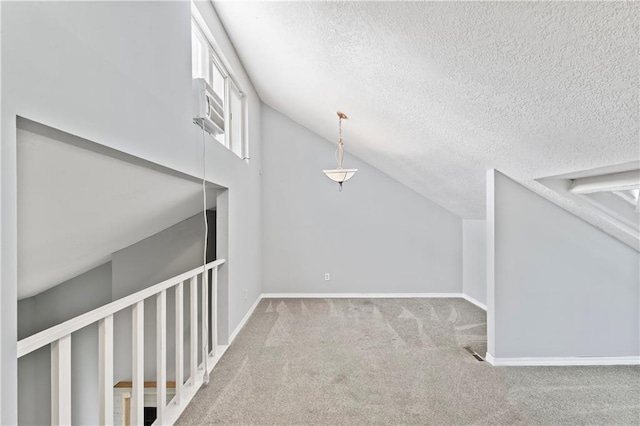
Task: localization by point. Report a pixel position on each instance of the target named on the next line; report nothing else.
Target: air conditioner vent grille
(208, 107)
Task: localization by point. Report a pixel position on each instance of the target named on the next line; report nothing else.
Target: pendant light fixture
(340, 174)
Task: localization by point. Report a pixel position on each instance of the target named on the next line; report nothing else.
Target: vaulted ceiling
(439, 92)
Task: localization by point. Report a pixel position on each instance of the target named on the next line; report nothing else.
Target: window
(207, 64)
(235, 119)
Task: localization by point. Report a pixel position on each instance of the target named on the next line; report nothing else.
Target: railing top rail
(43, 338)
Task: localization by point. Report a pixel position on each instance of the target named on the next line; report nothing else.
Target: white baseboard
(563, 361)
(474, 301)
(245, 319)
(358, 295)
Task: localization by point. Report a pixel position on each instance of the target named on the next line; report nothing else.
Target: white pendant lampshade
(340, 174)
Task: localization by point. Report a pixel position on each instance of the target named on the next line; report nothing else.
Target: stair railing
(59, 337)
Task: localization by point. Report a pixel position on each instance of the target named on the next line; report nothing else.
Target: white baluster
(179, 343)
(205, 317)
(61, 381)
(137, 369)
(161, 355)
(194, 328)
(214, 311)
(105, 329)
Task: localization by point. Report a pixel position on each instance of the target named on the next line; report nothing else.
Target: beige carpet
(395, 361)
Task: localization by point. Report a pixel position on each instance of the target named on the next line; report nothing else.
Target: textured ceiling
(439, 92)
(76, 207)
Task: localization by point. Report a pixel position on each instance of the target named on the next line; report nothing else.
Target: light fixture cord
(340, 150)
(205, 343)
(340, 147)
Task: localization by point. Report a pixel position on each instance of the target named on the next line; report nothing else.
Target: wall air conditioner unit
(208, 107)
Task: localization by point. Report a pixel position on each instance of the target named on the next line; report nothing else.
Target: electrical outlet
(327, 276)
(245, 293)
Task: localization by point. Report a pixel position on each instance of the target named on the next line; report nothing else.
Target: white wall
(119, 74)
(377, 236)
(62, 302)
(474, 259)
(558, 287)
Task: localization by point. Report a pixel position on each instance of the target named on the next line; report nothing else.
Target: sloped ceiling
(439, 92)
(76, 207)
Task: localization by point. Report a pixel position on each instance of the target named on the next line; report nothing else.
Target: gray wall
(474, 259)
(377, 236)
(65, 301)
(558, 286)
(131, 62)
(166, 254)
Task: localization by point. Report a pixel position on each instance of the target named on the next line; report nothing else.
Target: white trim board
(563, 361)
(359, 295)
(474, 301)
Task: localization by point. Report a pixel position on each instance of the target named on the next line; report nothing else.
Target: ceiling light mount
(340, 174)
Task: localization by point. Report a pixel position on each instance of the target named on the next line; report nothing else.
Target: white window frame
(219, 61)
(238, 140)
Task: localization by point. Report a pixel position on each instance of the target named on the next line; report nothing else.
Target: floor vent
(474, 353)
